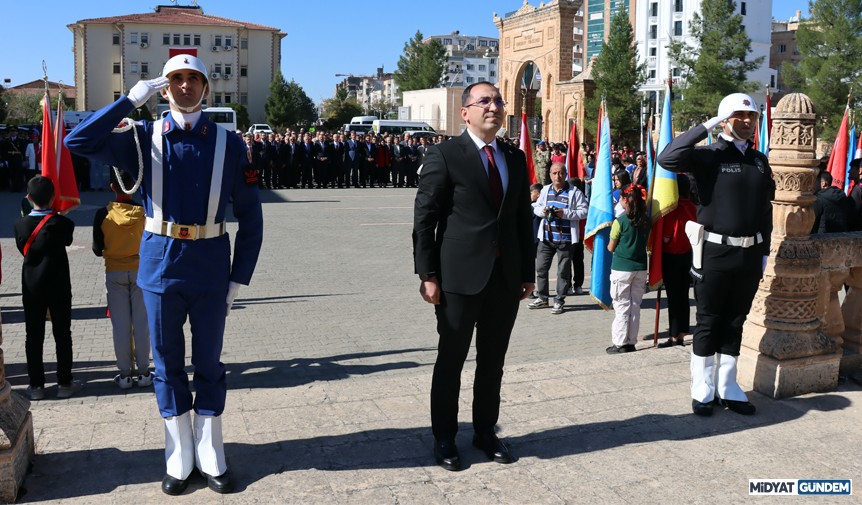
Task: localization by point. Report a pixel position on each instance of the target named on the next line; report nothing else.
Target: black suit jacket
(456, 228)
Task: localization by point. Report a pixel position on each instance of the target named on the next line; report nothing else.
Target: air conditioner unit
(143, 75)
(215, 75)
(226, 76)
(144, 45)
(215, 49)
(228, 48)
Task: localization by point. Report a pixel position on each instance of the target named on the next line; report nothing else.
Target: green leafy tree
(830, 44)
(381, 108)
(422, 65)
(24, 108)
(340, 108)
(717, 66)
(242, 119)
(288, 104)
(3, 95)
(617, 76)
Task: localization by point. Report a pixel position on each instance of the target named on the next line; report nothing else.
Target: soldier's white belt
(184, 231)
(743, 242)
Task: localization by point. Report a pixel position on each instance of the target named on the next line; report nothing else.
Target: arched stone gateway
(543, 36)
(798, 336)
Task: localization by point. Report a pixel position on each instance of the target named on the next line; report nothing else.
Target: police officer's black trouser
(724, 289)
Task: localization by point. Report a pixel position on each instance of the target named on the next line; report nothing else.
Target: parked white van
(363, 119)
(396, 127)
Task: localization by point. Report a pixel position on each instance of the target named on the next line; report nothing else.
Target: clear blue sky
(324, 37)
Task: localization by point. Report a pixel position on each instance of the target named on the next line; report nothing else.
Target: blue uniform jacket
(173, 264)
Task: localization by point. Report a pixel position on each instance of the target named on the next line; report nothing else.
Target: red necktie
(494, 180)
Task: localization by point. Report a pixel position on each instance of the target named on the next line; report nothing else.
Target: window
(447, 42)
(166, 39)
(187, 39)
(243, 98)
(482, 68)
(116, 95)
(675, 72)
(677, 28)
(483, 43)
(652, 51)
(243, 71)
(492, 74)
(217, 68)
(469, 79)
(771, 81)
(677, 6)
(217, 98)
(492, 61)
(197, 39)
(469, 67)
(116, 67)
(176, 39)
(470, 47)
(133, 38)
(243, 43)
(217, 41)
(653, 32)
(228, 41)
(134, 67)
(228, 70)
(492, 43)
(145, 67)
(227, 98)
(742, 8)
(115, 39)
(782, 48)
(462, 42)
(145, 38)
(652, 74)
(653, 9)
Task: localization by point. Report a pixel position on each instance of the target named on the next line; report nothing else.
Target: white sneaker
(145, 380)
(125, 382)
(68, 391)
(558, 308)
(538, 303)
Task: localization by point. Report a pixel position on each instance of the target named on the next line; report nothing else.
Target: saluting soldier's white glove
(143, 90)
(232, 292)
(713, 122)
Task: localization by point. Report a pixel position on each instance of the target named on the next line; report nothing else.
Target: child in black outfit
(42, 237)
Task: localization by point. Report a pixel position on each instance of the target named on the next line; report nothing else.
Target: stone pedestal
(17, 446)
(785, 351)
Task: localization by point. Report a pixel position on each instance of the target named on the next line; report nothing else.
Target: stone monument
(785, 351)
(17, 446)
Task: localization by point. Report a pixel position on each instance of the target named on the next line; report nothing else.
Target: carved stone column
(16, 437)
(784, 351)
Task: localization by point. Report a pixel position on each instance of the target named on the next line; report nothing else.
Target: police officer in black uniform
(13, 155)
(735, 210)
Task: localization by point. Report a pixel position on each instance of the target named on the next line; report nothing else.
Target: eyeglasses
(486, 103)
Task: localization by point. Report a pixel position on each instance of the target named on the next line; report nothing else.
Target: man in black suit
(367, 154)
(472, 240)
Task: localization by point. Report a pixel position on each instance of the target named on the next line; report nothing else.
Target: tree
(422, 65)
(288, 104)
(830, 44)
(716, 67)
(2, 104)
(341, 108)
(618, 75)
(381, 108)
(23, 108)
(242, 120)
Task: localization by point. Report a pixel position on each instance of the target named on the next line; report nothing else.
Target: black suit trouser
(36, 308)
(492, 312)
(675, 272)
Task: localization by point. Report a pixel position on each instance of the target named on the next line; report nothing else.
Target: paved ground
(329, 356)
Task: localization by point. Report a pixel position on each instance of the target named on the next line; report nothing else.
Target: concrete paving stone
(419, 493)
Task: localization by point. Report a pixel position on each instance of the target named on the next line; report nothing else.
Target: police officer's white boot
(179, 453)
(209, 453)
(702, 384)
(729, 393)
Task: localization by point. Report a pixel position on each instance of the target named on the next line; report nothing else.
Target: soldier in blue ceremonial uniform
(189, 168)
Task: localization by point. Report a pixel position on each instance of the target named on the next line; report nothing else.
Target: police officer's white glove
(143, 90)
(713, 122)
(232, 291)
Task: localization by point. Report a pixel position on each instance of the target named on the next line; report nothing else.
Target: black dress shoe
(221, 484)
(446, 455)
(173, 486)
(670, 342)
(492, 447)
(701, 409)
(619, 349)
(744, 408)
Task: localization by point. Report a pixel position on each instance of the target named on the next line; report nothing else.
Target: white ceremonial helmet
(737, 102)
(185, 62)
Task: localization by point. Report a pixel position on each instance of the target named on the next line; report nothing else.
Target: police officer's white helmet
(184, 62)
(736, 102)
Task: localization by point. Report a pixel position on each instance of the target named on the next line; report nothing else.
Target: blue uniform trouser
(166, 314)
